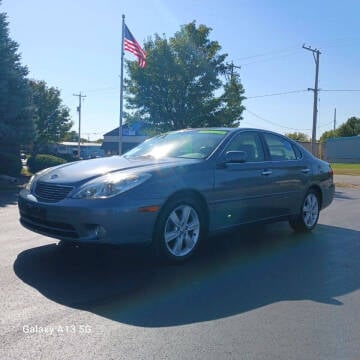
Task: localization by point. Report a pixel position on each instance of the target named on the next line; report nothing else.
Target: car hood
(85, 170)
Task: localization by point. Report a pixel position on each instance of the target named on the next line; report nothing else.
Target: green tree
(350, 128)
(230, 108)
(298, 136)
(16, 121)
(184, 83)
(71, 136)
(328, 135)
(52, 118)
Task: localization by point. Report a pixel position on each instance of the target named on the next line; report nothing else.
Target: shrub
(10, 164)
(68, 157)
(43, 161)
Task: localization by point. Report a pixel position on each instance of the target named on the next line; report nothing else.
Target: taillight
(331, 171)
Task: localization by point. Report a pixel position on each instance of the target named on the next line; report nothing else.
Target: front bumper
(107, 221)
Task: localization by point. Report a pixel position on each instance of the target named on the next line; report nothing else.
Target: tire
(179, 230)
(309, 214)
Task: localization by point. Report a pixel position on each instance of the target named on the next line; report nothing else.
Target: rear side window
(280, 149)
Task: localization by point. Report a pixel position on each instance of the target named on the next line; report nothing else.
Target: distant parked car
(174, 189)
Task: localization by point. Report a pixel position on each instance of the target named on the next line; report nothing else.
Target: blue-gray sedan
(176, 188)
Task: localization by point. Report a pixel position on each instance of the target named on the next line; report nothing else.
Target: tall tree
(298, 136)
(73, 136)
(16, 122)
(183, 84)
(328, 135)
(52, 118)
(350, 128)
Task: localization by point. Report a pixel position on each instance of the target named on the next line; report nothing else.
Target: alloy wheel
(310, 210)
(182, 230)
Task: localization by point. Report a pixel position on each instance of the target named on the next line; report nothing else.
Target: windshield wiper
(147, 156)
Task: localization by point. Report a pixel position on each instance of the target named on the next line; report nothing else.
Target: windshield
(194, 144)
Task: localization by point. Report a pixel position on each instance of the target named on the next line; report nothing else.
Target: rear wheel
(309, 215)
(179, 230)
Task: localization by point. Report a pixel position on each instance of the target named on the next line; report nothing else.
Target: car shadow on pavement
(8, 197)
(342, 195)
(232, 274)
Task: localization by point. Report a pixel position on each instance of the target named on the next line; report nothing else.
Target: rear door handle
(305, 171)
(266, 172)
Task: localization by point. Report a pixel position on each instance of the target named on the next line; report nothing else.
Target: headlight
(110, 185)
(30, 183)
(34, 178)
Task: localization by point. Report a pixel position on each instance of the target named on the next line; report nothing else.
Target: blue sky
(75, 46)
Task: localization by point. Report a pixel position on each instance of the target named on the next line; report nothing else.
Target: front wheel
(179, 230)
(309, 215)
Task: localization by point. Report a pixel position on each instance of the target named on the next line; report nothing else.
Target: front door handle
(266, 172)
(305, 171)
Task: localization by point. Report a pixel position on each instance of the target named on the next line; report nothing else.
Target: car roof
(229, 129)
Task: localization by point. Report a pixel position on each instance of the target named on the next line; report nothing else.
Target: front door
(242, 191)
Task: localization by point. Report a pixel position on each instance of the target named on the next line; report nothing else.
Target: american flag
(133, 46)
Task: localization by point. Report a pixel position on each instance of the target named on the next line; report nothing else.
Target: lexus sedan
(175, 189)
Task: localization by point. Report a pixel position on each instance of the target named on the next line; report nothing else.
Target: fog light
(100, 232)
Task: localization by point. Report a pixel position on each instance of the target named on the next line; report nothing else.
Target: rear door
(290, 174)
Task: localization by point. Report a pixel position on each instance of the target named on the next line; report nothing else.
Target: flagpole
(121, 86)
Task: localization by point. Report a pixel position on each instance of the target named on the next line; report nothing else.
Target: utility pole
(316, 55)
(80, 96)
(232, 66)
(334, 119)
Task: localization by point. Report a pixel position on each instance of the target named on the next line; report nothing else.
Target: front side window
(280, 149)
(250, 143)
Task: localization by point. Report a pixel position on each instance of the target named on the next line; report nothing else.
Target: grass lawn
(346, 169)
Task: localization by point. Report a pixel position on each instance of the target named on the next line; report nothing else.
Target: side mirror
(236, 157)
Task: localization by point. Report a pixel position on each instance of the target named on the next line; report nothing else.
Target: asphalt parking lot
(259, 293)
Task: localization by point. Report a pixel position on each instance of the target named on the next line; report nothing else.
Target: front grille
(51, 192)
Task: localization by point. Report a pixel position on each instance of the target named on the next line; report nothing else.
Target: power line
(293, 49)
(268, 53)
(275, 57)
(324, 125)
(273, 123)
(339, 90)
(298, 91)
(279, 93)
